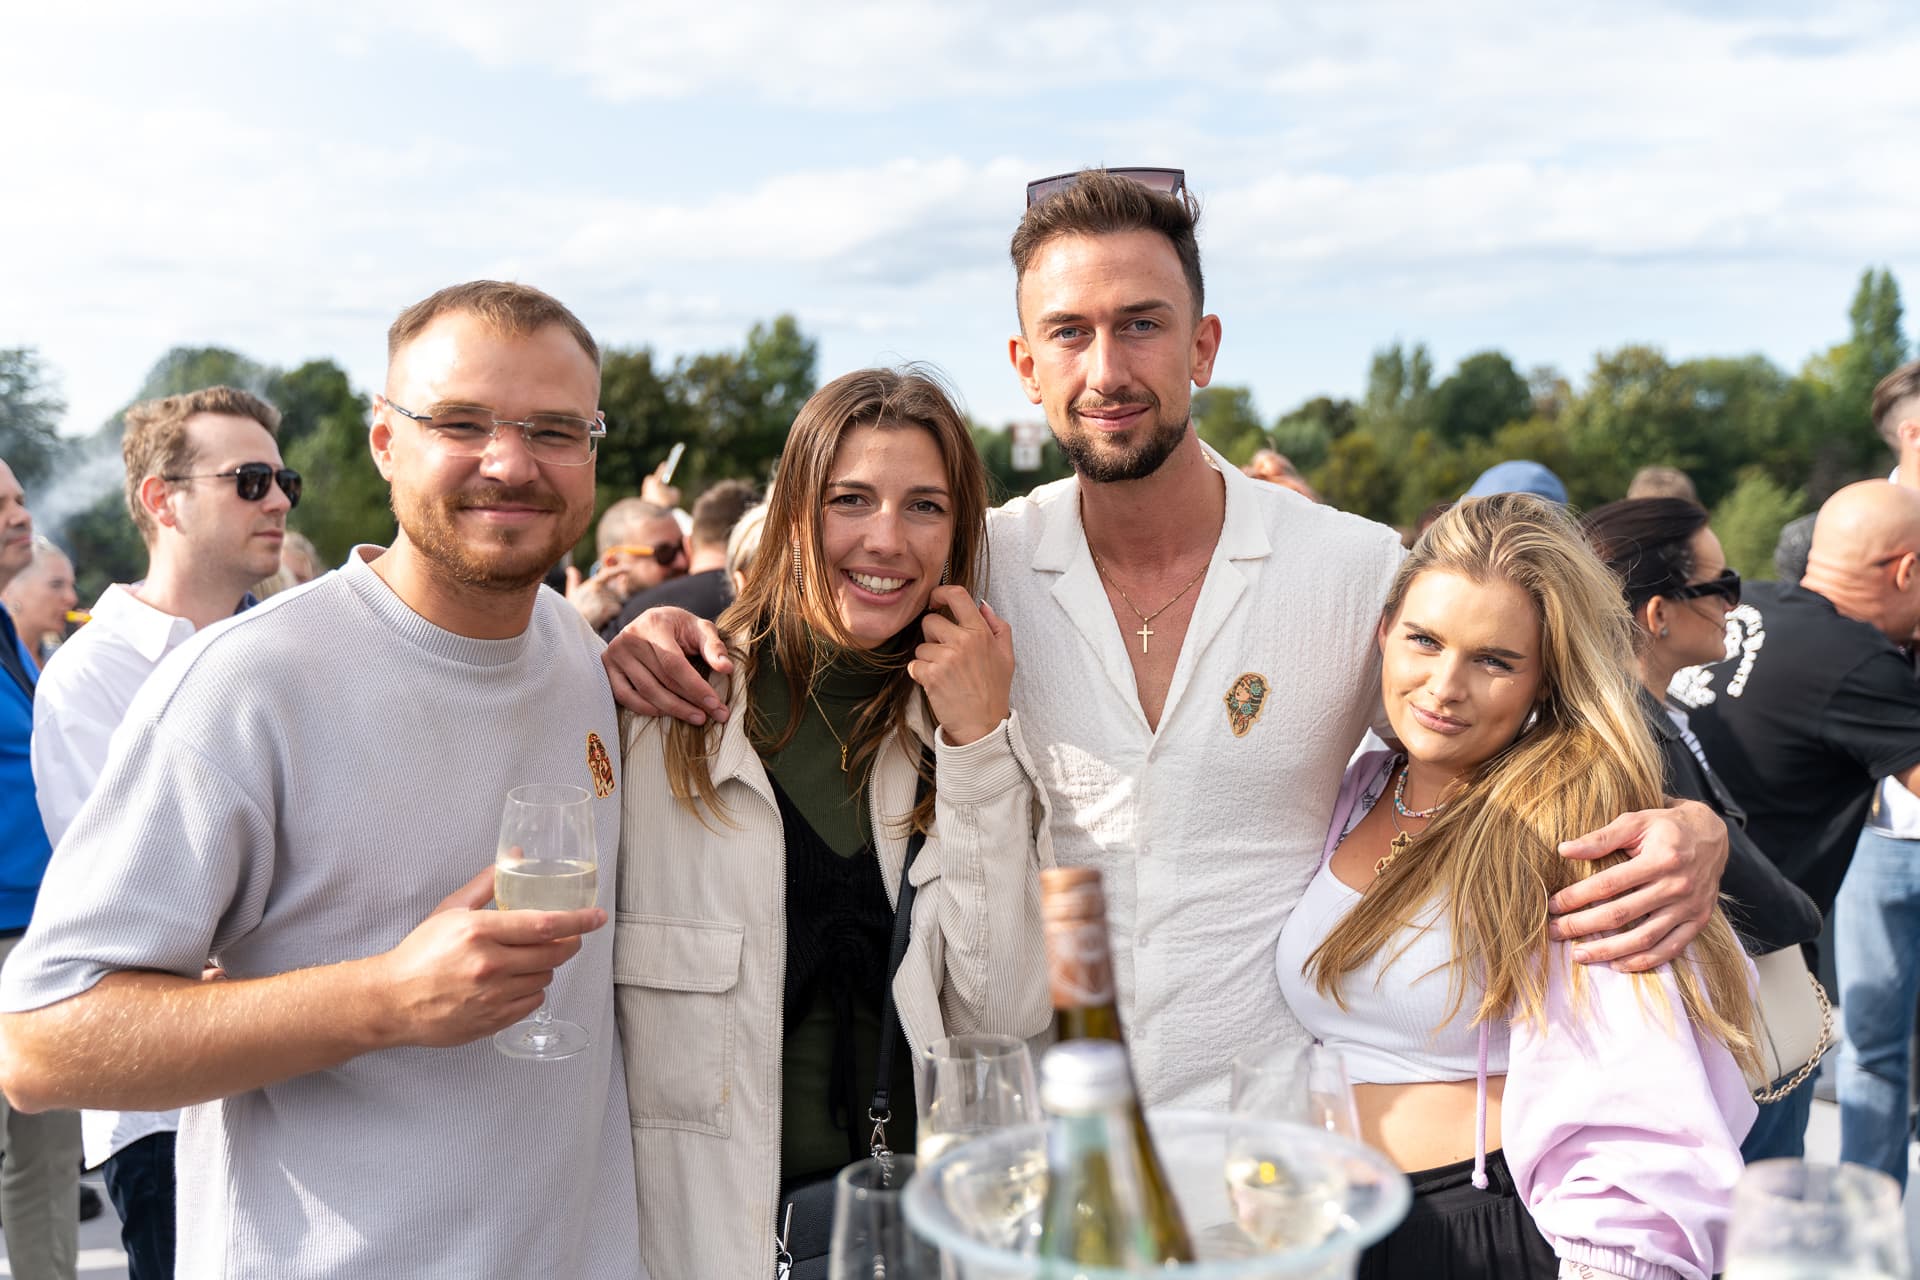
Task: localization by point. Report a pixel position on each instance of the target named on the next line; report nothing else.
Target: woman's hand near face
(965, 665)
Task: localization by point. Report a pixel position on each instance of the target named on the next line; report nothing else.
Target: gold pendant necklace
(836, 737)
(1145, 618)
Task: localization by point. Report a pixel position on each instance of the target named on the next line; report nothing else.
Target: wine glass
(547, 861)
(1279, 1201)
(1793, 1220)
(969, 1086)
(1305, 1085)
(871, 1238)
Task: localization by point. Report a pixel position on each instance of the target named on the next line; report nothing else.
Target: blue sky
(283, 179)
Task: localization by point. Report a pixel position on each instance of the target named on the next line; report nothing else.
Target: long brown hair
(785, 608)
(1491, 856)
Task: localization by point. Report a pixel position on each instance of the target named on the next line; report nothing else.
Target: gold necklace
(836, 737)
(1145, 618)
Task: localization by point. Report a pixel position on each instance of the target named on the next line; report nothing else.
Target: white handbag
(1795, 1022)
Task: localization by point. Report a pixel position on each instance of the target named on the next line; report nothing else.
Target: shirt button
(1145, 941)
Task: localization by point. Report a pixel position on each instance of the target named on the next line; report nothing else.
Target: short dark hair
(717, 510)
(1892, 392)
(1099, 203)
(1647, 542)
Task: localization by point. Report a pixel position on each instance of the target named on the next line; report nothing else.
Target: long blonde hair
(1491, 856)
(785, 610)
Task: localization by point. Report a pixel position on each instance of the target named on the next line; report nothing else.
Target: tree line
(1762, 445)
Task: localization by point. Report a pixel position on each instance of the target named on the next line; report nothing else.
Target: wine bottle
(1080, 976)
(1093, 1214)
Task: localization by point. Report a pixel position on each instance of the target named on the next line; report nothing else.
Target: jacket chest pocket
(674, 987)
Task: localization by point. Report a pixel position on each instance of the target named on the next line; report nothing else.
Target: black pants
(140, 1182)
(1455, 1231)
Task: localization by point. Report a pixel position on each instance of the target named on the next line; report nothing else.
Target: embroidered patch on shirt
(600, 766)
(1245, 701)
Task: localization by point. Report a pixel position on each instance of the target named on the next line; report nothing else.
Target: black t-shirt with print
(1809, 713)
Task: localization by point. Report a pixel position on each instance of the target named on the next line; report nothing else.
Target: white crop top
(1393, 1030)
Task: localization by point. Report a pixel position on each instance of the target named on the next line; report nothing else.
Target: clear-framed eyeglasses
(465, 431)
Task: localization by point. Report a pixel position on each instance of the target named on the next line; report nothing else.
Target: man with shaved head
(1876, 918)
(1818, 703)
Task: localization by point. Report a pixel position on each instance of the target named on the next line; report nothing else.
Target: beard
(502, 560)
(1107, 461)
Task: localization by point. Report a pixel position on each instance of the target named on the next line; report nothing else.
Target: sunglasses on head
(1166, 181)
(664, 553)
(1726, 584)
(250, 480)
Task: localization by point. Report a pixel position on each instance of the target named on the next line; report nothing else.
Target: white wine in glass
(547, 861)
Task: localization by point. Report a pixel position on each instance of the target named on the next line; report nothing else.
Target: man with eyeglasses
(208, 492)
(1817, 708)
(309, 797)
(1199, 651)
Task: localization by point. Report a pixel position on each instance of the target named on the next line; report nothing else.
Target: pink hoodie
(1622, 1122)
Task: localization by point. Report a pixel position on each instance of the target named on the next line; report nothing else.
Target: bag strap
(880, 1112)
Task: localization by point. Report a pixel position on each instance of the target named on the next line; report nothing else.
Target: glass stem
(542, 1017)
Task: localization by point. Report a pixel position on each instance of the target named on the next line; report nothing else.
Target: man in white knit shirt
(209, 494)
(309, 797)
(1196, 651)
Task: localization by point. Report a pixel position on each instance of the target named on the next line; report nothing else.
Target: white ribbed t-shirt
(303, 786)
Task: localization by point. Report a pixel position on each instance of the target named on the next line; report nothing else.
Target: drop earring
(943, 572)
(799, 578)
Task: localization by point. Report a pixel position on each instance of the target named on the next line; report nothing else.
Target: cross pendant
(1143, 633)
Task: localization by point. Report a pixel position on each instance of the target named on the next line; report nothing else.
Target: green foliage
(1482, 395)
(30, 413)
(1748, 521)
(1306, 434)
(1399, 399)
(105, 546)
(1357, 476)
(186, 369)
(1226, 419)
(996, 453)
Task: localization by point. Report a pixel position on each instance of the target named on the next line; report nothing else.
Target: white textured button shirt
(1206, 836)
(82, 696)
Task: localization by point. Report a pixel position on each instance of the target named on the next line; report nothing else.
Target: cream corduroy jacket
(699, 964)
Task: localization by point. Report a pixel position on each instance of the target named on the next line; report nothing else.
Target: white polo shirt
(1206, 836)
(82, 696)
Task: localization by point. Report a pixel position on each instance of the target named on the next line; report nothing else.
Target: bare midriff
(1425, 1126)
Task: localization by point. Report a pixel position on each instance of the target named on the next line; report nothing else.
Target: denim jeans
(140, 1182)
(1780, 1129)
(1876, 931)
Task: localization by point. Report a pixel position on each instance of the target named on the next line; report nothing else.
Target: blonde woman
(1557, 1119)
(763, 860)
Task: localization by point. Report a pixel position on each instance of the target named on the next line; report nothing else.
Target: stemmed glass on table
(547, 861)
(1279, 1202)
(971, 1086)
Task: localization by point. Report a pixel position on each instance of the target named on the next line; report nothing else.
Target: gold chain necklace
(829, 724)
(1146, 618)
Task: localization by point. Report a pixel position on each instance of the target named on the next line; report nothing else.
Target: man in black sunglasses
(207, 490)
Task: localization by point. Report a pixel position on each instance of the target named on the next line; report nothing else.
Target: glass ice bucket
(1262, 1198)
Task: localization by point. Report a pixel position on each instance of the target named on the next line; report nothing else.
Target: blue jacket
(23, 841)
